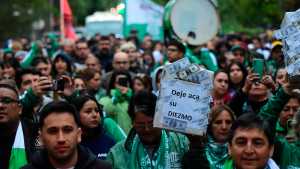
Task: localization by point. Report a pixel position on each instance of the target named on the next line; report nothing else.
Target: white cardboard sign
(183, 106)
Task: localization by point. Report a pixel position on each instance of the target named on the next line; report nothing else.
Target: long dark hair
(244, 71)
(66, 59)
(79, 101)
(145, 79)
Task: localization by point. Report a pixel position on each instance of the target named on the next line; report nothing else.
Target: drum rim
(218, 21)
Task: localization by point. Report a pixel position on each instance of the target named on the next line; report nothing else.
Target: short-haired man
(251, 144)
(104, 53)
(92, 62)
(82, 52)
(175, 51)
(26, 78)
(120, 63)
(17, 135)
(60, 135)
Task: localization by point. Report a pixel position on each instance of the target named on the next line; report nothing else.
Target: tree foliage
(241, 15)
(83, 8)
(17, 16)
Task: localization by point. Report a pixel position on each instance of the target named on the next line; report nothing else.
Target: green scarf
(18, 153)
(228, 164)
(216, 153)
(141, 160)
(118, 97)
(26, 62)
(280, 129)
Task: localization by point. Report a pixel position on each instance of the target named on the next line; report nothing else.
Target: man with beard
(60, 135)
(120, 63)
(82, 52)
(104, 53)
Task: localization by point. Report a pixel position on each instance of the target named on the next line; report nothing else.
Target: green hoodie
(286, 154)
(168, 156)
(116, 107)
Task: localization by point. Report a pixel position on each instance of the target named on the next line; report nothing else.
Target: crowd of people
(91, 104)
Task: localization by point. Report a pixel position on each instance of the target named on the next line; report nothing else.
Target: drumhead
(194, 21)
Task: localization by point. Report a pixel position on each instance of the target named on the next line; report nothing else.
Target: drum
(194, 22)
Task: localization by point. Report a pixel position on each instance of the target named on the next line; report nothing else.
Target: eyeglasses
(143, 125)
(120, 62)
(7, 100)
(129, 51)
(172, 50)
(82, 48)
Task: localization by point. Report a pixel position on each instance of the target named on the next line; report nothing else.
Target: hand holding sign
(290, 34)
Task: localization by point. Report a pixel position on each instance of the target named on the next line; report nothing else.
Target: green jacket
(128, 158)
(272, 67)
(101, 93)
(28, 100)
(287, 155)
(204, 57)
(117, 112)
(280, 131)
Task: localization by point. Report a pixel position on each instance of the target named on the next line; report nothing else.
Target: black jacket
(195, 158)
(30, 132)
(86, 160)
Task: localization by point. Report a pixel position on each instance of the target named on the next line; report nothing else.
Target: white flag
(144, 16)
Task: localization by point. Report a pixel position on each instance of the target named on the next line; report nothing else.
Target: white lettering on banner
(102, 155)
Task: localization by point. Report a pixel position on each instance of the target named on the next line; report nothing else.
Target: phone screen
(58, 85)
(258, 67)
(123, 81)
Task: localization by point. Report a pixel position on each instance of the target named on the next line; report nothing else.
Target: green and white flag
(26, 62)
(18, 153)
(144, 16)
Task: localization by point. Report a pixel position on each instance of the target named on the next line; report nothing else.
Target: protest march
(150, 86)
